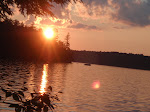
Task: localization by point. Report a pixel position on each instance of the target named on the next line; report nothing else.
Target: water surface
(118, 89)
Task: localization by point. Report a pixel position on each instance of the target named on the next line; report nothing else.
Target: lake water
(94, 88)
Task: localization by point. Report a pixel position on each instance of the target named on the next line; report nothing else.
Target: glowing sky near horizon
(100, 25)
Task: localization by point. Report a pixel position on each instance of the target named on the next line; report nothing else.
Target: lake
(94, 88)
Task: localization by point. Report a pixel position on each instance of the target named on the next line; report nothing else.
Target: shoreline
(116, 59)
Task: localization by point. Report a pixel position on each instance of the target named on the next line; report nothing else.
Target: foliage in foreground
(37, 103)
(29, 7)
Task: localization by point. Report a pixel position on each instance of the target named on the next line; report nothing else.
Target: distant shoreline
(116, 59)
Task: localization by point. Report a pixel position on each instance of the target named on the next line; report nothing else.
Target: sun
(49, 33)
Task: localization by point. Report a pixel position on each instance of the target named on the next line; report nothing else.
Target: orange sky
(101, 25)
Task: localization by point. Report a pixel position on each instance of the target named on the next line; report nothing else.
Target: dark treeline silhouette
(137, 61)
(19, 41)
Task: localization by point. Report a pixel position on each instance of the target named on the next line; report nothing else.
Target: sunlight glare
(49, 33)
(44, 79)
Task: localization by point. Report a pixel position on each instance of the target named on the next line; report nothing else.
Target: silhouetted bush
(36, 103)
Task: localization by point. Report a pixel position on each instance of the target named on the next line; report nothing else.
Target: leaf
(21, 93)
(16, 97)
(18, 109)
(45, 109)
(13, 105)
(24, 89)
(51, 106)
(38, 109)
(28, 102)
(24, 109)
(40, 104)
(45, 99)
(20, 97)
(30, 108)
(8, 94)
(35, 101)
(50, 88)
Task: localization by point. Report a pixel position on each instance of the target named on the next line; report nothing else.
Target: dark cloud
(83, 26)
(131, 12)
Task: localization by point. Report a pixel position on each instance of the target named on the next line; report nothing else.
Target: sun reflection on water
(44, 79)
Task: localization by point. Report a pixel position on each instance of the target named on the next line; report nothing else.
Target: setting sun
(48, 32)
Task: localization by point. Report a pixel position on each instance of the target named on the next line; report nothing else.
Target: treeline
(137, 61)
(19, 41)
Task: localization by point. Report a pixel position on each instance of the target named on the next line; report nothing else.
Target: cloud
(106, 13)
(30, 20)
(130, 12)
(103, 3)
(61, 12)
(46, 21)
(83, 26)
(51, 21)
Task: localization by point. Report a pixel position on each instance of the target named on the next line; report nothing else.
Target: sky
(100, 25)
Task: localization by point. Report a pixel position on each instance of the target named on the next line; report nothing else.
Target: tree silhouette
(30, 7)
(19, 41)
(14, 25)
(67, 41)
